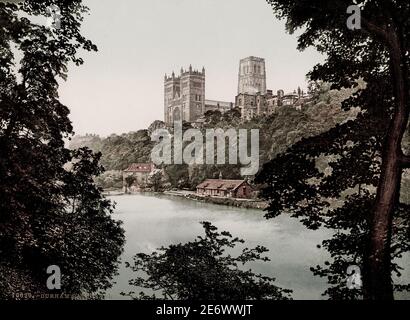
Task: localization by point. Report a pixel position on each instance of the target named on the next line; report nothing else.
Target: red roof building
(136, 176)
(225, 188)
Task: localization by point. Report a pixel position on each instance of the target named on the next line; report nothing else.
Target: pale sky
(120, 88)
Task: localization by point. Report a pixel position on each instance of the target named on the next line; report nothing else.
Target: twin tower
(184, 95)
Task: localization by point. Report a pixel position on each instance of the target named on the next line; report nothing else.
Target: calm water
(154, 221)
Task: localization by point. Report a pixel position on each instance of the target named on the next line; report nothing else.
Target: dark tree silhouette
(329, 181)
(51, 212)
(378, 54)
(204, 270)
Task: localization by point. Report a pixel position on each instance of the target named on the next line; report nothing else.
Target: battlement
(184, 95)
(252, 58)
(184, 73)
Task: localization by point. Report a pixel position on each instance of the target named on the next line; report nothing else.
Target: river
(152, 221)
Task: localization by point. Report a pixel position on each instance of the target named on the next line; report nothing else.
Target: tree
(203, 270)
(212, 117)
(51, 212)
(232, 116)
(378, 54)
(177, 175)
(329, 181)
(155, 180)
(319, 90)
(129, 180)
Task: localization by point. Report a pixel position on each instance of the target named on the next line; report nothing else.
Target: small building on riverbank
(137, 176)
(240, 189)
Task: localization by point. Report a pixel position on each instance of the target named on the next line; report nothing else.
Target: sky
(120, 88)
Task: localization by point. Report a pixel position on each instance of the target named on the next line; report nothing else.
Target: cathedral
(184, 95)
(253, 98)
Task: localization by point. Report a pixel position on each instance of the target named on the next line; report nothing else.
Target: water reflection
(154, 221)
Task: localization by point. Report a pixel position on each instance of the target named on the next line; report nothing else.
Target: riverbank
(113, 192)
(191, 195)
(232, 202)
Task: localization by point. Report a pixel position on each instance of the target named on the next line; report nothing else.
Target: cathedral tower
(252, 76)
(184, 96)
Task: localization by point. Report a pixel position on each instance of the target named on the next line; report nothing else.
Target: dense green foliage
(204, 270)
(277, 132)
(51, 211)
(359, 194)
(118, 152)
(311, 182)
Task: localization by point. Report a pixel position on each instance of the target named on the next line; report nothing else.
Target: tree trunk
(377, 274)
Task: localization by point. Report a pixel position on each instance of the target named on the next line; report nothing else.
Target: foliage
(177, 175)
(91, 141)
(51, 212)
(118, 151)
(156, 180)
(112, 180)
(204, 270)
(377, 54)
(338, 196)
(130, 181)
(212, 117)
(216, 118)
(319, 91)
(277, 132)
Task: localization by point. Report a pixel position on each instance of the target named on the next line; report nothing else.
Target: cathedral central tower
(252, 76)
